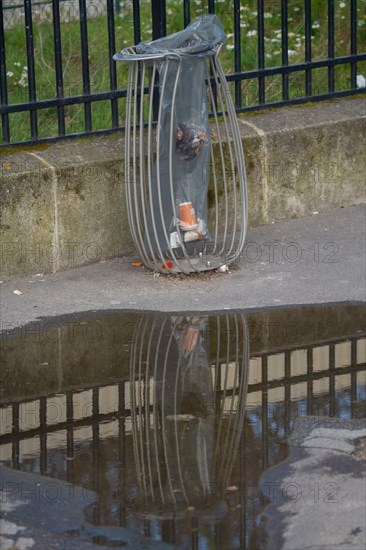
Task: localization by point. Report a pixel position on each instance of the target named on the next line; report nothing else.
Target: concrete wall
(63, 206)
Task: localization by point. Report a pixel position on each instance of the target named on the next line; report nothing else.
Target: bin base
(194, 264)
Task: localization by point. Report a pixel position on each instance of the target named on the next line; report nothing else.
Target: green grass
(99, 62)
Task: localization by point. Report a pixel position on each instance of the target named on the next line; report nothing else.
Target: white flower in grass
(17, 63)
(296, 8)
(267, 15)
(291, 34)
(361, 81)
(342, 5)
(291, 53)
(230, 46)
(252, 33)
(9, 74)
(315, 25)
(230, 35)
(243, 25)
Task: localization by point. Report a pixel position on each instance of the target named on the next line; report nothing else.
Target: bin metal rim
(130, 54)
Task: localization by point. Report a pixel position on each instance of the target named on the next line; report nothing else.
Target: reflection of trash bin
(189, 377)
(185, 178)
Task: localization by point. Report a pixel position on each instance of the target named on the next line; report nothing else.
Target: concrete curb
(63, 206)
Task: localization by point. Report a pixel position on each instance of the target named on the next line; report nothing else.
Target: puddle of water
(171, 419)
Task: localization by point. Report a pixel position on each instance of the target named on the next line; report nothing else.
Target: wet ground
(150, 430)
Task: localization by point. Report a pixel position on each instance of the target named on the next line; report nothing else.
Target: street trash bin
(184, 164)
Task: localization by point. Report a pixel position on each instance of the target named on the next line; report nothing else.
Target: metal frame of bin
(227, 166)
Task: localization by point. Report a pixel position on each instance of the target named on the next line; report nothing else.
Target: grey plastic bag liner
(186, 52)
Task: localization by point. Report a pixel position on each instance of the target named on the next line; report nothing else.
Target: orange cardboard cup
(187, 216)
(191, 338)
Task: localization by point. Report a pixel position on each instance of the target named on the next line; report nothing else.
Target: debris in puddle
(181, 417)
(17, 292)
(232, 489)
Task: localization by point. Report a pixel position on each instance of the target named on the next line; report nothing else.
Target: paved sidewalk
(316, 259)
(317, 496)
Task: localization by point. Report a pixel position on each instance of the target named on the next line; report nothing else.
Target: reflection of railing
(320, 380)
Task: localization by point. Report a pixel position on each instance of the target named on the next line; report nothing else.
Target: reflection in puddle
(167, 418)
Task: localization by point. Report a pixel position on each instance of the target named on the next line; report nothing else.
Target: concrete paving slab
(317, 496)
(311, 260)
(29, 505)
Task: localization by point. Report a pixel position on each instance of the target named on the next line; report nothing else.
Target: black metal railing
(239, 71)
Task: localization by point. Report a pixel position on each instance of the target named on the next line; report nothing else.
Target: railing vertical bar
(308, 54)
(211, 6)
(3, 80)
(264, 412)
(31, 68)
(243, 486)
(353, 38)
(194, 535)
(112, 64)
(353, 377)
(158, 13)
(85, 63)
(187, 12)
(331, 44)
(69, 436)
(261, 79)
(43, 435)
(237, 50)
(15, 434)
(310, 372)
(58, 65)
(332, 407)
(122, 451)
(95, 429)
(284, 47)
(287, 392)
(136, 21)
